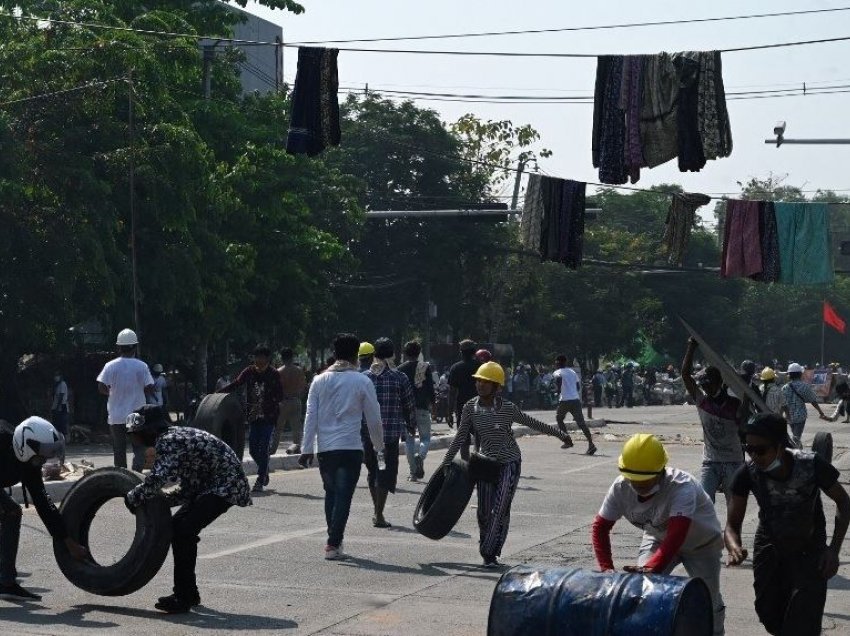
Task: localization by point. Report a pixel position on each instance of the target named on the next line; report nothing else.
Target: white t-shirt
(569, 379)
(680, 496)
(126, 379)
(60, 395)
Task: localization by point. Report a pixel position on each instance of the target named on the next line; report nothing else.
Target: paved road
(261, 568)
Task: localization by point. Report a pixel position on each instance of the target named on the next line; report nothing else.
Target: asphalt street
(261, 568)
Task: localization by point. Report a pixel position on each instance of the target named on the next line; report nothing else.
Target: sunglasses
(757, 449)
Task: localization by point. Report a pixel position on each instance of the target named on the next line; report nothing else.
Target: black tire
(222, 415)
(443, 501)
(822, 445)
(150, 544)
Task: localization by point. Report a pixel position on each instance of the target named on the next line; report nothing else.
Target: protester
(398, 415)
(721, 416)
(843, 406)
(598, 382)
(462, 384)
(569, 401)
(489, 418)
(338, 401)
(522, 385)
(676, 516)
(791, 559)
(422, 380)
(59, 407)
(770, 393)
(126, 381)
(23, 451)
(365, 355)
(796, 393)
(627, 382)
(483, 355)
(610, 386)
(160, 387)
(263, 396)
(293, 381)
(209, 479)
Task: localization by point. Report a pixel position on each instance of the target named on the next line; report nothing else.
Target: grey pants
(701, 563)
(10, 534)
(290, 415)
(119, 448)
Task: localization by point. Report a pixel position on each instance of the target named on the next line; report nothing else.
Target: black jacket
(423, 395)
(14, 472)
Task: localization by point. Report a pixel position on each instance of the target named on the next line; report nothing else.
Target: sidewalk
(101, 455)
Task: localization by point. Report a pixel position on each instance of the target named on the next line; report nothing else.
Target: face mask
(648, 493)
(774, 465)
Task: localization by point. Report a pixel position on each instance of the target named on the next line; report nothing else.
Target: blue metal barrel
(574, 602)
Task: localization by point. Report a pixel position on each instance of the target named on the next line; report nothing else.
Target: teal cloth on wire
(805, 243)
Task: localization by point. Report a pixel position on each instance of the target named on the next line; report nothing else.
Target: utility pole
(209, 56)
(131, 124)
(520, 169)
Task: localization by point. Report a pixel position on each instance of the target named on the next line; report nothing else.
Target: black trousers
(790, 591)
(186, 525)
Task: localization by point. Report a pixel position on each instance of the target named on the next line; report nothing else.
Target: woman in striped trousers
(489, 418)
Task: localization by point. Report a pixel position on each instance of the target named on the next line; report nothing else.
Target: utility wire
(64, 91)
(599, 27)
(516, 54)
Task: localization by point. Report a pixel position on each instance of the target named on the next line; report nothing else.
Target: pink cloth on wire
(741, 240)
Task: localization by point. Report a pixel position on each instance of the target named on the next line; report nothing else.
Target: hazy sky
(566, 129)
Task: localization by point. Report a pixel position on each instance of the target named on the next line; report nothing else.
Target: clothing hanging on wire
(741, 254)
(314, 124)
(553, 219)
(770, 260)
(680, 222)
(805, 243)
(676, 103)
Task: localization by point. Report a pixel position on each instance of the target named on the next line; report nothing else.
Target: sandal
(382, 524)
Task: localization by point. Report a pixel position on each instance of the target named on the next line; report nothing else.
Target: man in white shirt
(567, 383)
(338, 401)
(126, 381)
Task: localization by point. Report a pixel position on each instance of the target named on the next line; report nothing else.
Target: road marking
(581, 468)
(271, 540)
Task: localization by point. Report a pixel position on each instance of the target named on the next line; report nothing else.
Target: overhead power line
(598, 27)
(63, 91)
(515, 54)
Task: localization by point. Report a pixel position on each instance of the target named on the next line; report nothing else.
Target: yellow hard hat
(492, 372)
(767, 374)
(643, 457)
(366, 349)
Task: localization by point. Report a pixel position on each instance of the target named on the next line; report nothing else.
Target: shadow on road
(425, 569)
(199, 618)
(30, 614)
(297, 495)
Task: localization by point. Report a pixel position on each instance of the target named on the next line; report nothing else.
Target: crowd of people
(362, 407)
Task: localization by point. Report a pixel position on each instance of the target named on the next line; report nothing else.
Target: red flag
(831, 317)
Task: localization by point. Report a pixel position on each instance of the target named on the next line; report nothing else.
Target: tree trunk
(201, 368)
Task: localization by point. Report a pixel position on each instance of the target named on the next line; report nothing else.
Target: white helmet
(127, 338)
(795, 368)
(157, 368)
(35, 436)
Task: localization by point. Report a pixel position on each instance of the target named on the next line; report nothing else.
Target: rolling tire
(222, 415)
(443, 501)
(822, 445)
(150, 544)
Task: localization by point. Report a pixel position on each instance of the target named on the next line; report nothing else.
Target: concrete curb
(58, 489)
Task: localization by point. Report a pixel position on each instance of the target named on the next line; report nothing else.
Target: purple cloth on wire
(741, 240)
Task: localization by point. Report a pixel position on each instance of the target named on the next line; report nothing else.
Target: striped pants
(494, 510)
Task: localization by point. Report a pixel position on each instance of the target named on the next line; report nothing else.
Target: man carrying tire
(23, 451)
(210, 480)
